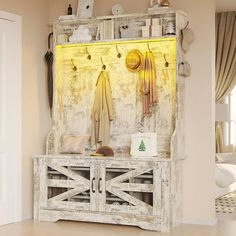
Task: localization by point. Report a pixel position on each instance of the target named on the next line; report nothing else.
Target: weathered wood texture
(92, 185)
(74, 94)
(144, 192)
(144, 222)
(74, 91)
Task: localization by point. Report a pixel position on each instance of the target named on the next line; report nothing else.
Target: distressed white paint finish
(177, 147)
(119, 177)
(157, 190)
(176, 192)
(101, 172)
(37, 189)
(144, 222)
(74, 93)
(165, 192)
(92, 189)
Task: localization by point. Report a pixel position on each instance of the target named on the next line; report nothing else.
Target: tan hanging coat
(102, 112)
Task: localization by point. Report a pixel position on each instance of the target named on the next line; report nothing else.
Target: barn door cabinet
(115, 190)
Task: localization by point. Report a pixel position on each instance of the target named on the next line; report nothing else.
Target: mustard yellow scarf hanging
(148, 87)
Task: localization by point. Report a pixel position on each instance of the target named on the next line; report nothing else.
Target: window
(230, 127)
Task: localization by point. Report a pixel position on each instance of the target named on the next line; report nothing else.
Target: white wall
(198, 173)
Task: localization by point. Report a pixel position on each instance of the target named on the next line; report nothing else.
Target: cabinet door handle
(100, 185)
(93, 190)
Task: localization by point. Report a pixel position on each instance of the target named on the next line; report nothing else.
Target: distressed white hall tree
(144, 192)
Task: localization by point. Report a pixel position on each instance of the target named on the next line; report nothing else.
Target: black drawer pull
(100, 185)
(93, 190)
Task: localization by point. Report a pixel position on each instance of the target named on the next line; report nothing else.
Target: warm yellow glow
(77, 69)
(74, 67)
(119, 42)
(108, 51)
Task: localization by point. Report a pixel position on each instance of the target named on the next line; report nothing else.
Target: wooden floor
(62, 228)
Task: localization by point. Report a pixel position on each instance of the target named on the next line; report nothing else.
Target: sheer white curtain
(225, 63)
(229, 129)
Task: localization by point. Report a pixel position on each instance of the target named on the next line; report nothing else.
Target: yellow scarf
(148, 87)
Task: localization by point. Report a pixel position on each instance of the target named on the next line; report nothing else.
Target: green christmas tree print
(142, 147)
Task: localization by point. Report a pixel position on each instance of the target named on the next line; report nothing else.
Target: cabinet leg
(150, 227)
(48, 218)
(53, 220)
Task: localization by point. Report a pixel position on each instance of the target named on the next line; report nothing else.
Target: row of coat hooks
(75, 67)
(166, 62)
(89, 57)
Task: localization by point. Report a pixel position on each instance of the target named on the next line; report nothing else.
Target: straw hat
(134, 61)
(187, 39)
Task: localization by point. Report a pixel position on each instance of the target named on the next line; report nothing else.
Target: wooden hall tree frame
(144, 192)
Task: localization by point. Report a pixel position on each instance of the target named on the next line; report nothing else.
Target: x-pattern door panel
(133, 188)
(69, 185)
(128, 187)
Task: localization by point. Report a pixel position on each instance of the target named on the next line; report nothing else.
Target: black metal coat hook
(181, 31)
(103, 65)
(186, 25)
(89, 57)
(118, 53)
(166, 62)
(74, 66)
(149, 47)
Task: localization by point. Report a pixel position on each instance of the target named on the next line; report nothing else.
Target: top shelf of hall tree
(165, 22)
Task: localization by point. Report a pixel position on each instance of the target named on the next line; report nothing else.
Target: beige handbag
(74, 144)
(184, 69)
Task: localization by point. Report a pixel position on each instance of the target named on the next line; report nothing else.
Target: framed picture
(85, 9)
(144, 145)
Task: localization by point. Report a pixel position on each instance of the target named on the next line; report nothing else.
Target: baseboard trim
(25, 218)
(200, 222)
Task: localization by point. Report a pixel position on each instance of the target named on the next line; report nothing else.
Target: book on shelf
(107, 30)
